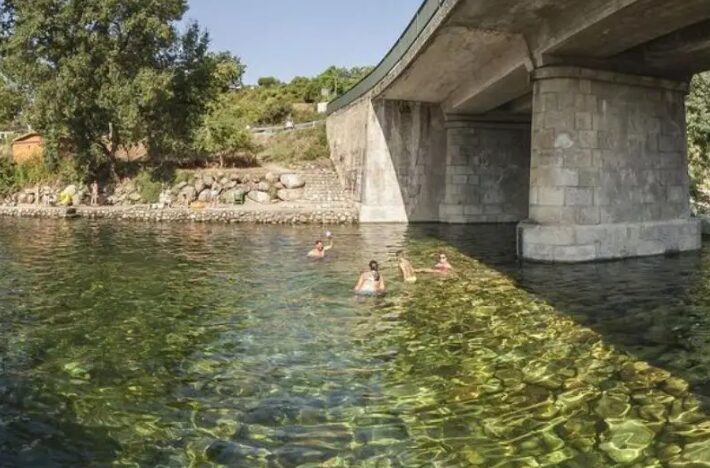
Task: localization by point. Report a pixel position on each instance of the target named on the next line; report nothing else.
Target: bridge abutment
(608, 174)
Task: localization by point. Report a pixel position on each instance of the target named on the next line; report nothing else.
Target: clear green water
(193, 345)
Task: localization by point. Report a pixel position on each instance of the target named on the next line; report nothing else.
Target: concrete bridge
(565, 117)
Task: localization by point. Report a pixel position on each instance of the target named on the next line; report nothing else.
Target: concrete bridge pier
(487, 169)
(608, 175)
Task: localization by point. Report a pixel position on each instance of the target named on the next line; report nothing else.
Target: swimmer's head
(375, 269)
(443, 258)
(319, 245)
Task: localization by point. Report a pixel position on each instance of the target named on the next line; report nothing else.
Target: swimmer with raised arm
(371, 283)
(405, 266)
(320, 248)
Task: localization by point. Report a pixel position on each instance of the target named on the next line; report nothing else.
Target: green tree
(104, 73)
(10, 103)
(224, 130)
(268, 82)
(699, 130)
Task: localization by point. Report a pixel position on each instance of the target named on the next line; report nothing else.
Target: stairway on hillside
(323, 186)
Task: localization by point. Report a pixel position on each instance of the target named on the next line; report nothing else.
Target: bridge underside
(567, 118)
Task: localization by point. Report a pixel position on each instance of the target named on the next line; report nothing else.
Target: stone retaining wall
(288, 215)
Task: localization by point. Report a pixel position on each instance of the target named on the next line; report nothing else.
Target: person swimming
(442, 267)
(405, 266)
(320, 248)
(371, 283)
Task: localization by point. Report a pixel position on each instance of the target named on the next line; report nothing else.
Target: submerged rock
(625, 440)
(613, 405)
(231, 453)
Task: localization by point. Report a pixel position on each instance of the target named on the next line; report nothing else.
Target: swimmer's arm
(425, 270)
(360, 280)
(381, 284)
(330, 244)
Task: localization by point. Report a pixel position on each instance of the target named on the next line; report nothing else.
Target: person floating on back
(320, 248)
(405, 266)
(371, 283)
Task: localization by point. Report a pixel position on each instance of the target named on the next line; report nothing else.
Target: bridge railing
(420, 21)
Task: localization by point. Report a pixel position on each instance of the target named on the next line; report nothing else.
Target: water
(197, 345)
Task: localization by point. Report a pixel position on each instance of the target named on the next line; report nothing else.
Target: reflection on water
(177, 345)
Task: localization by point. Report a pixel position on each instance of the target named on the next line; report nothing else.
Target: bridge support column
(487, 170)
(609, 172)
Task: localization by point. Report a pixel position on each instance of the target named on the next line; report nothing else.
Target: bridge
(565, 117)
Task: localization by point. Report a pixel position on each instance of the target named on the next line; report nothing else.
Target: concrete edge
(577, 243)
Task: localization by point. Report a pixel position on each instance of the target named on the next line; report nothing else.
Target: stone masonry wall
(487, 172)
(608, 171)
(607, 149)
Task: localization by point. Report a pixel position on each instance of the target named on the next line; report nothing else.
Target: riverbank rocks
(292, 181)
(259, 197)
(205, 196)
(218, 189)
(290, 195)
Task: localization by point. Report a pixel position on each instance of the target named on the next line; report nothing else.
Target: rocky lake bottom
(137, 344)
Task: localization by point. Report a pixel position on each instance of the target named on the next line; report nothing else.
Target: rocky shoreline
(344, 214)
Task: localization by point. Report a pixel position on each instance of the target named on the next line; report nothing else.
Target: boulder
(271, 178)
(26, 197)
(205, 196)
(235, 177)
(135, 197)
(288, 195)
(263, 186)
(230, 184)
(259, 197)
(279, 185)
(208, 180)
(187, 195)
(199, 185)
(292, 181)
(223, 181)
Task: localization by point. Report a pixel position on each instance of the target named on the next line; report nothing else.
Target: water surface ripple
(133, 344)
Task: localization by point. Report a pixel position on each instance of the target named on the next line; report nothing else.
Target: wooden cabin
(27, 147)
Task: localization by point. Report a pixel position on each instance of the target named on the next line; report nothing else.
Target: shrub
(7, 177)
(148, 188)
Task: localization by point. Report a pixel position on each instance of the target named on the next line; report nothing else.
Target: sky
(287, 38)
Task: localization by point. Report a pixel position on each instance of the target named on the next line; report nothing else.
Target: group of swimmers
(372, 282)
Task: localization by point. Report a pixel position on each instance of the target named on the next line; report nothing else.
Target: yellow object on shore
(65, 199)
